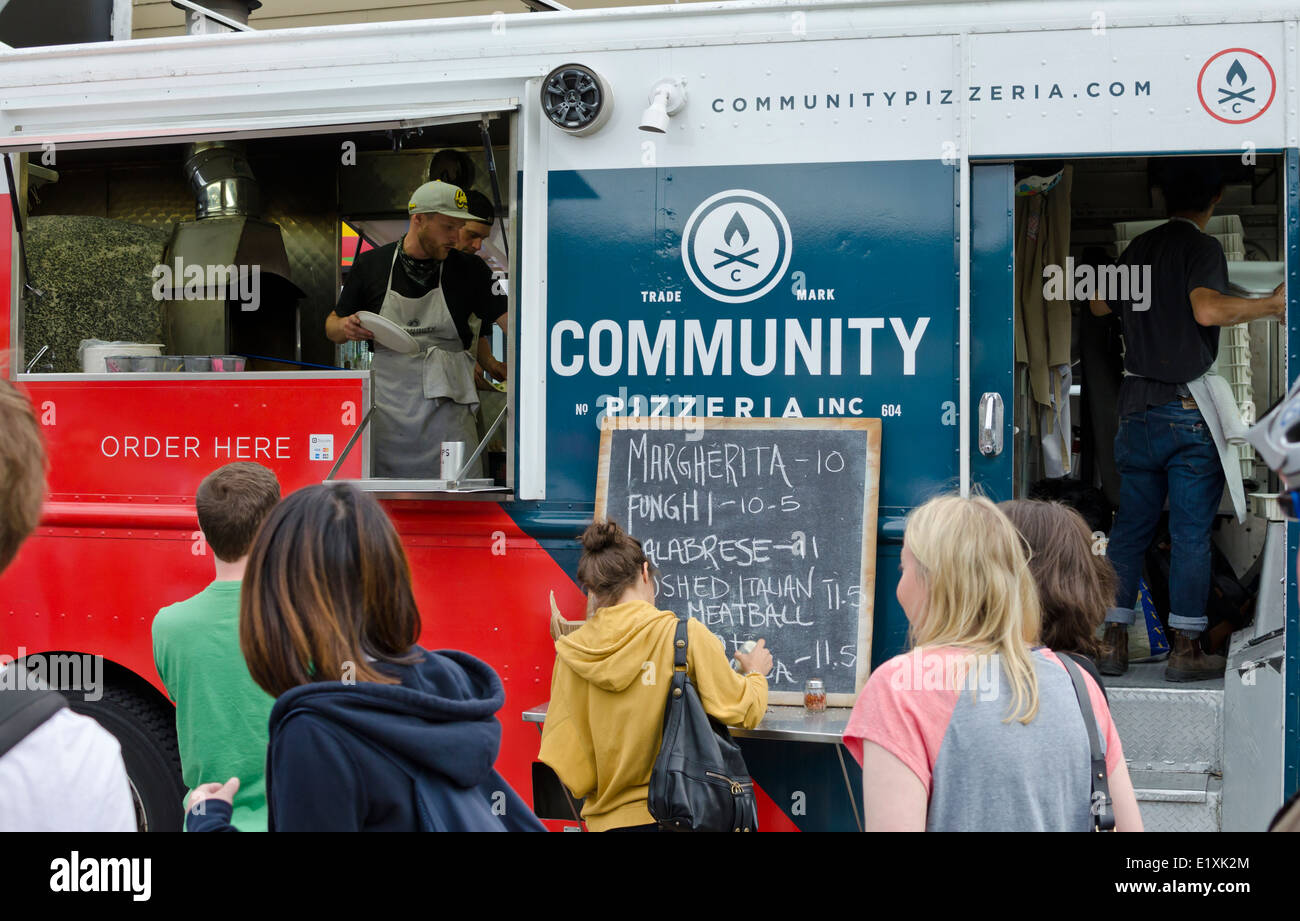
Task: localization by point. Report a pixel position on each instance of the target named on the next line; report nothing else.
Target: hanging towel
(1214, 398)
(1225, 404)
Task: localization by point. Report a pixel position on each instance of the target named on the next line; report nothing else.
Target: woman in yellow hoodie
(606, 716)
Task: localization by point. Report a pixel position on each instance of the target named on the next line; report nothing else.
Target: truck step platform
(1173, 742)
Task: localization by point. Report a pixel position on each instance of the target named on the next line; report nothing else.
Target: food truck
(718, 210)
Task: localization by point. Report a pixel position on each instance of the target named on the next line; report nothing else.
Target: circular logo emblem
(1236, 85)
(460, 199)
(736, 246)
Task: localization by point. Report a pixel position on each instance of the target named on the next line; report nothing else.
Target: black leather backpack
(699, 781)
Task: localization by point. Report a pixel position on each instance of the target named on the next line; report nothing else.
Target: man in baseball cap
(478, 223)
(472, 234)
(439, 198)
(423, 372)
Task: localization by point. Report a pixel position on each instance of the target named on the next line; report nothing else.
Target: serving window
(202, 258)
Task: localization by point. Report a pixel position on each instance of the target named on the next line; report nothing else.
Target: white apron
(423, 399)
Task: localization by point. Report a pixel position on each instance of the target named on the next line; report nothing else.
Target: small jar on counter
(814, 695)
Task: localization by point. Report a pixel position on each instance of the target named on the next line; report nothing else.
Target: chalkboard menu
(760, 528)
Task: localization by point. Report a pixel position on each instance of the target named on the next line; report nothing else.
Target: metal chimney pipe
(221, 179)
(197, 24)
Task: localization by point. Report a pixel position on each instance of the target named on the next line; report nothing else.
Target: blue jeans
(1166, 450)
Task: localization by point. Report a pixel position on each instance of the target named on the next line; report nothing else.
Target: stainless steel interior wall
(300, 193)
(381, 181)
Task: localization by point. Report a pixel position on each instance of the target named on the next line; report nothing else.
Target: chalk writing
(756, 532)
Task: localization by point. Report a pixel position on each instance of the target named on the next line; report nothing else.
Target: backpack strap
(1088, 666)
(677, 683)
(1100, 804)
(679, 644)
(22, 711)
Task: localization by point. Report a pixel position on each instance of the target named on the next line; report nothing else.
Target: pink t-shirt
(940, 711)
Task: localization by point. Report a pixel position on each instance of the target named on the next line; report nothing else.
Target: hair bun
(601, 535)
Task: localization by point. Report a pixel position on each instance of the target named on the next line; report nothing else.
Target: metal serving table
(780, 724)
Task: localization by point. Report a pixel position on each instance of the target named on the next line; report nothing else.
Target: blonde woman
(977, 728)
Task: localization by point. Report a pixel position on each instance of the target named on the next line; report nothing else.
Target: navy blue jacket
(385, 757)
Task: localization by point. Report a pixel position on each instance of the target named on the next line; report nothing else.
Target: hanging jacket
(1043, 327)
(415, 756)
(604, 723)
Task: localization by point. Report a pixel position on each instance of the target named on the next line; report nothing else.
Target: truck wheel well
(118, 675)
(144, 723)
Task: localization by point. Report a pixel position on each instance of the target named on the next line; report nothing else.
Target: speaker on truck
(576, 99)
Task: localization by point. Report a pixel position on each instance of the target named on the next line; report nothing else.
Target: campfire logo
(1236, 85)
(736, 246)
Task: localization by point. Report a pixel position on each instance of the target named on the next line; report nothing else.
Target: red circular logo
(1236, 80)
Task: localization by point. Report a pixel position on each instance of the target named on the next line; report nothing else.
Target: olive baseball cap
(438, 198)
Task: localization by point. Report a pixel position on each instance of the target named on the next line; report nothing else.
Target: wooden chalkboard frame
(870, 509)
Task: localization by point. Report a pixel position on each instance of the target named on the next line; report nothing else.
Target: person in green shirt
(221, 714)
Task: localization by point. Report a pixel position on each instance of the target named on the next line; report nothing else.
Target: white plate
(387, 333)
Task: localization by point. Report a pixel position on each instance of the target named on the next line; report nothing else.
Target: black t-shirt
(466, 282)
(1164, 345)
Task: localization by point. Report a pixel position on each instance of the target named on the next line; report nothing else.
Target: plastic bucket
(94, 357)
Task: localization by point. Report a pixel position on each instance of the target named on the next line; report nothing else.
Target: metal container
(453, 459)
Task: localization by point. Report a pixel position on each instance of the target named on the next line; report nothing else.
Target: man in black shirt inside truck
(424, 285)
(1163, 447)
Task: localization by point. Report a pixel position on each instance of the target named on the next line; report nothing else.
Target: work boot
(1188, 663)
(1115, 661)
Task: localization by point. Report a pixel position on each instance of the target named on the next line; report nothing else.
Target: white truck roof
(766, 81)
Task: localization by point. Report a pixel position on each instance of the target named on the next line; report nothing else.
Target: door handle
(990, 417)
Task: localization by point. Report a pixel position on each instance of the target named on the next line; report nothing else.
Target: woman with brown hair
(369, 732)
(1075, 585)
(605, 720)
